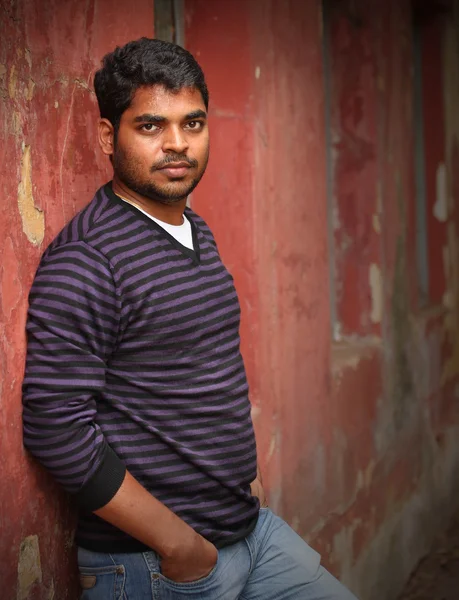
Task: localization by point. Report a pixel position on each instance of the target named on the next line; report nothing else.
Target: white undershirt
(182, 233)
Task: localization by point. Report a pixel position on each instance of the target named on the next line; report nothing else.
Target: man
(135, 394)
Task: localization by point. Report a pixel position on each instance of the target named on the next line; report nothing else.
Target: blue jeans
(272, 563)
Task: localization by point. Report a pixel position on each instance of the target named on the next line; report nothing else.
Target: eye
(195, 125)
(148, 127)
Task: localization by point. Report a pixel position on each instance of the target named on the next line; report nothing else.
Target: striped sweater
(133, 362)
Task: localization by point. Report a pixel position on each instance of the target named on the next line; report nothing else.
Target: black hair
(144, 62)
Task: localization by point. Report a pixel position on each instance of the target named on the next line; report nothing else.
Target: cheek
(140, 149)
(202, 151)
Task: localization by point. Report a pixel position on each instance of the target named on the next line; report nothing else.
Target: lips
(178, 169)
(175, 165)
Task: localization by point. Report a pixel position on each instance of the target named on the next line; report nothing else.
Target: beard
(126, 167)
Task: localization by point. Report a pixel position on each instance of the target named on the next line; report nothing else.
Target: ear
(106, 137)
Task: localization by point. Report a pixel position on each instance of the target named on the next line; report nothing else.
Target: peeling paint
(337, 332)
(16, 123)
(295, 525)
(255, 411)
(12, 82)
(440, 209)
(33, 219)
(28, 57)
(365, 477)
(350, 355)
(342, 550)
(51, 592)
(63, 79)
(376, 286)
(29, 566)
(83, 84)
(30, 89)
(351, 361)
(272, 448)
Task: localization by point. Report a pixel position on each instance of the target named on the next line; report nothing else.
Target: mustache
(192, 162)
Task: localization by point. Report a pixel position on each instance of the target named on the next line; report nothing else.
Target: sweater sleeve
(72, 328)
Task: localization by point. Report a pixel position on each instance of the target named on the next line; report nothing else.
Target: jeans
(272, 563)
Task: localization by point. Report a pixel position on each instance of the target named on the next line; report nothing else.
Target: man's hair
(141, 63)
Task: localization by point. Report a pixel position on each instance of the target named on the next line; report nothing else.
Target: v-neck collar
(194, 253)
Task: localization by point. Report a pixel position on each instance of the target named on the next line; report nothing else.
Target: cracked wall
(49, 168)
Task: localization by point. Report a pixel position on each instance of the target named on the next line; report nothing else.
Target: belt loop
(152, 561)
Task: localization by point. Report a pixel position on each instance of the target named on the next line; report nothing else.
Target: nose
(175, 140)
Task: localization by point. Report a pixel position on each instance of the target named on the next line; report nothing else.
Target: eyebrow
(149, 118)
(197, 114)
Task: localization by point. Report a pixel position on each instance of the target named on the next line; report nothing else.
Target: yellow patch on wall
(33, 219)
(376, 287)
(29, 566)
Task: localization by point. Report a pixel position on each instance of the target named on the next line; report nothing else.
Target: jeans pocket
(102, 583)
(192, 585)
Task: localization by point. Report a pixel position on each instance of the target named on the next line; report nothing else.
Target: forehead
(158, 100)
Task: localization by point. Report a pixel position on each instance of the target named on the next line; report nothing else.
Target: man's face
(162, 146)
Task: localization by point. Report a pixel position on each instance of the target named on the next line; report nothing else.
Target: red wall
(355, 428)
(264, 196)
(50, 167)
(435, 152)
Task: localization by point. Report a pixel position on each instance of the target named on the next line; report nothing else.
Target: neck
(169, 213)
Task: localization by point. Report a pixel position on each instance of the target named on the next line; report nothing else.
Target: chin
(176, 190)
(167, 193)
(169, 196)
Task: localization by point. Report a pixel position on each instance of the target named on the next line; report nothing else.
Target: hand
(258, 491)
(193, 560)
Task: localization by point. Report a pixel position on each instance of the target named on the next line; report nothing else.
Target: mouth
(178, 169)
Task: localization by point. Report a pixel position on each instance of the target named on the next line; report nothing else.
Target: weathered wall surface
(353, 375)
(353, 380)
(49, 168)
(267, 161)
(403, 456)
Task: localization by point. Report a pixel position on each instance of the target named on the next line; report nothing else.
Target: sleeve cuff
(104, 484)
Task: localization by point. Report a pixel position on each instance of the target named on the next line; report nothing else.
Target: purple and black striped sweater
(133, 361)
